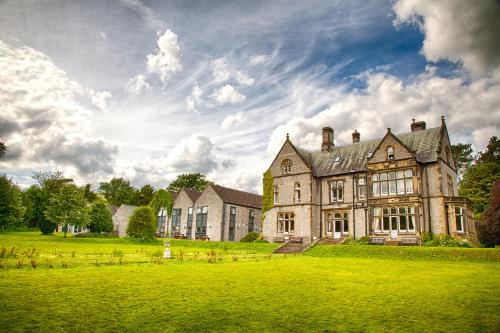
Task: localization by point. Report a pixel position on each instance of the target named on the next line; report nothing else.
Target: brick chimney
(355, 136)
(417, 126)
(327, 144)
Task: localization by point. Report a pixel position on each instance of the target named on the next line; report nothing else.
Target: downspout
(223, 224)
(447, 219)
(320, 208)
(428, 199)
(353, 209)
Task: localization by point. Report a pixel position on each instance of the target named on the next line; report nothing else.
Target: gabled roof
(353, 157)
(236, 197)
(192, 194)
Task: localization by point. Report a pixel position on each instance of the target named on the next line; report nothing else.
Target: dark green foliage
(162, 199)
(118, 191)
(100, 218)
(462, 154)
(11, 205)
(3, 149)
(95, 235)
(478, 179)
(89, 194)
(143, 196)
(142, 224)
(260, 241)
(488, 228)
(67, 207)
(193, 181)
(365, 240)
(267, 194)
(250, 237)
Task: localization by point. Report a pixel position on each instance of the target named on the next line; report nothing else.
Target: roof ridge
(232, 189)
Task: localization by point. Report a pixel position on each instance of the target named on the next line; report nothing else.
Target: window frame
(336, 190)
(390, 153)
(286, 167)
(285, 223)
(296, 192)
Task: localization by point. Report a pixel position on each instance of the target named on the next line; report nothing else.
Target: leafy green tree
(267, 194)
(462, 154)
(193, 181)
(117, 191)
(488, 228)
(479, 177)
(142, 224)
(89, 194)
(162, 199)
(11, 205)
(100, 218)
(49, 184)
(144, 196)
(68, 207)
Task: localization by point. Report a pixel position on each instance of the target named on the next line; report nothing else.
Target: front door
(337, 232)
(394, 227)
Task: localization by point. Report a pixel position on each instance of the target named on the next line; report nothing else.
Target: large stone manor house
(391, 189)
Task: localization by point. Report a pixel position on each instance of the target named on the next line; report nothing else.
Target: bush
(250, 237)
(444, 241)
(100, 218)
(365, 240)
(142, 224)
(95, 235)
(260, 241)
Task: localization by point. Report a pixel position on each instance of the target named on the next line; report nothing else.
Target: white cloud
(227, 95)
(233, 120)
(222, 72)
(472, 110)
(194, 98)
(166, 60)
(45, 117)
(192, 154)
(103, 35)
(138, 84)
(457, 30)
(259, 59)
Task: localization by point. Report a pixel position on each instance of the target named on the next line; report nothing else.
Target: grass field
(82, 285)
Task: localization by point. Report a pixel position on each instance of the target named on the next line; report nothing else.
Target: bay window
(402, 219)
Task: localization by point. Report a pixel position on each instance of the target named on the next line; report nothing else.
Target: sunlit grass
(331, 288)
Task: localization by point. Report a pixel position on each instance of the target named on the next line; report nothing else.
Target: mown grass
(331, 288)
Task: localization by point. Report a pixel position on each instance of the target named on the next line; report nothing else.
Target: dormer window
(286, 167)
(390, 153)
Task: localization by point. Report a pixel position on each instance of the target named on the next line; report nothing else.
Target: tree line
(55, 200)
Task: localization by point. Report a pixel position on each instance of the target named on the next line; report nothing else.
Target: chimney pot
(328, 143)
(356, 136)
(418, 126)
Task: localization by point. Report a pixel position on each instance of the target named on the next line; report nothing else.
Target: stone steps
(391, 242)
(331, 241)
(291, 248)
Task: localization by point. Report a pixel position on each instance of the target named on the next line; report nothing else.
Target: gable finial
(287, 136)
(442, 120)
(388, 130)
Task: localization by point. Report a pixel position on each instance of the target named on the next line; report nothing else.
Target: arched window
(286, 167)
(390, 153)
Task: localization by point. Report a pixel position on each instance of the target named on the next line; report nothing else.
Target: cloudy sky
(150, 89)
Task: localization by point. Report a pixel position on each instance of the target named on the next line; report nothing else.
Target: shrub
(260, 241)
(100, 218)
(365, 240)
(250, 237)
(444, 241)
(488, 228)
(95, 235)
(142, 224)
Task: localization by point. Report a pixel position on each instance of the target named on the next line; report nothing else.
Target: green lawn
(329, 288)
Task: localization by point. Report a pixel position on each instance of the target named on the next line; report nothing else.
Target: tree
(142, 224)
(144, 196)
(479, 177)
(462, 154)
(100, 218)
(193, 181)
(11, 206)
(3, 149)
(89, 195)
(118, 191)
(68, 207)
(162, 199)
(488, 229)
(49, 184)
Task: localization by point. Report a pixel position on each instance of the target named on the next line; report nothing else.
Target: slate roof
(236, 197)
(353, 157)
(192, 194)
